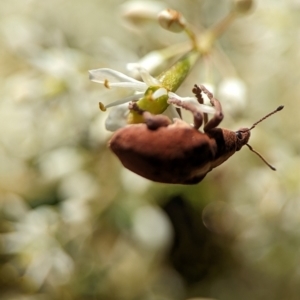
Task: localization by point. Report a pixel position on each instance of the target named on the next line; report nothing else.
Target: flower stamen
(102, 106)
(106, 83)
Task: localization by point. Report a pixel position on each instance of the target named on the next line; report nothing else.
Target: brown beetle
(179, 153)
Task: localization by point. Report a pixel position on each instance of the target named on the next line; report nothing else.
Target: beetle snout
(242, 137)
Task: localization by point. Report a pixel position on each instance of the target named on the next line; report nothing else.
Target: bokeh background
(76, 225)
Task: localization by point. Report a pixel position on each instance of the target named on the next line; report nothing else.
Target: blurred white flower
(34, 240)
(152, 228)
(78, 184)
(140, 185)
(62, 63)
(14, 206)
(232, 92)
(60, 162)
(21, 33)
(75, 211)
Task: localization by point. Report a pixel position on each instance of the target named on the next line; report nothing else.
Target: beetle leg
(198, 115)
(197, 91)
(155, 121)
(152, 121)
(218, 116)
(134, 107)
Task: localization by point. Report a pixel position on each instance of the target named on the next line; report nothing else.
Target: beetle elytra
(179, 153)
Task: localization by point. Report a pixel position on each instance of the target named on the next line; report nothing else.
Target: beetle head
(242, 137)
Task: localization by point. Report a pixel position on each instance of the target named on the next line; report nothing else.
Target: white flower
(114, 79)
(233, 92)
(111, 78)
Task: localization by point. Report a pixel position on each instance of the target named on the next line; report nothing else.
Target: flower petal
(134, 97)
(146, 77)
(117, 117)
(110, 77)
(171, 112)
(204, 108)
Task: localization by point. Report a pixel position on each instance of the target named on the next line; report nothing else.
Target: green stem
(220, 27)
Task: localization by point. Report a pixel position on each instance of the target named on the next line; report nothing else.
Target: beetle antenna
(257, 153)
(262, 158)
(268, 115)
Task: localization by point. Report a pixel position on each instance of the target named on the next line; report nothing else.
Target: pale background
(76, 225)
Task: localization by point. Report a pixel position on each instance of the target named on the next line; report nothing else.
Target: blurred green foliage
(76, 225)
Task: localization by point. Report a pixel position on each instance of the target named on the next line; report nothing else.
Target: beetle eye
(239, 135)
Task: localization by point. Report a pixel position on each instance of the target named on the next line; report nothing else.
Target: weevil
(178, 152)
